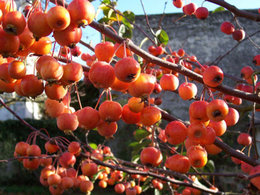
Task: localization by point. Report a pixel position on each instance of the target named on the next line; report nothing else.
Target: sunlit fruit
(197, 156)
(150, 115)
(151, 156)
(217, 110)
(213, 76)
(127, 69)
(176, 132)
(104, 51)
(58, 18)
(67, 122)
(102, 74)
(143, 86)
(82, 12)
(14, 23)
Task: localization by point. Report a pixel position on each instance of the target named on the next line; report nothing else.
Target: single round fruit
(88, 117)
(14, 23)
(189, 9)
(143, 86)
(127, 69)
(102, 74)
(70, 36)
(17, 69)
(38, 25)
(217, 110)
(150, 115)
(31, 86)
(178, 163)
(169, 82)
(244, 139)
(107, 129)
(213, 76)
(197, 156)
(58, 18)
(67, 122)
(104, 51)
(239, 35)
(232, 117)
(227, 28)
(198, 111)
(187, 90)
(67, 160)
(201, 13)
(82, 12)
(110, 111)
(178, 3)
(151, 156)
(176, 132)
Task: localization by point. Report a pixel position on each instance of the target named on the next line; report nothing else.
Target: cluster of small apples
(191, 8)
(228, 28)
(202, 13)
(207, 119)
(19, 32)
(59, 174)
(22, 35)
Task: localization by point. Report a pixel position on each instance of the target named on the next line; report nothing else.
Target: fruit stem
(186, 81)
(52, 53)
(99, 98)
(46, 5)
(124, 50)
(153, 135)
(45, 130)
(182, 147)
(202, 67)
(78, 97)
(249, 150)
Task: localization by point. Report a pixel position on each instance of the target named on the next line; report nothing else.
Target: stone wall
(203, 39)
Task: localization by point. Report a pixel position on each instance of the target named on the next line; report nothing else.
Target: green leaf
(139, 146)
(93, 145)
(125, 32)
(109, 158)
(146, 184)
(130, 19)
(218, 9)
(103, 20)
(133, 144)
(135, 158)
(143, 41)
(210, 166)
(162, 37)
(108, 39)
(106, 1)
(141, 134)
(110, 13)
(94, 177)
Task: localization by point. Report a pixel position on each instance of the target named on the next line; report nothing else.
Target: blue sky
(157, 7)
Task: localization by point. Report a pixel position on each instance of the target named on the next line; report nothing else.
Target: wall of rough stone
(203, 39)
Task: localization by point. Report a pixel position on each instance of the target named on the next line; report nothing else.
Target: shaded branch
(236, 11)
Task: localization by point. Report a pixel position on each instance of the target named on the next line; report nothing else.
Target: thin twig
(219, 58)
(147, 20)
(138, 27)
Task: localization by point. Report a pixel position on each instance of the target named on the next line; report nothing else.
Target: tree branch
(236, 11)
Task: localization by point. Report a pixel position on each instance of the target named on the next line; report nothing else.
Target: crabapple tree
(169, 154)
